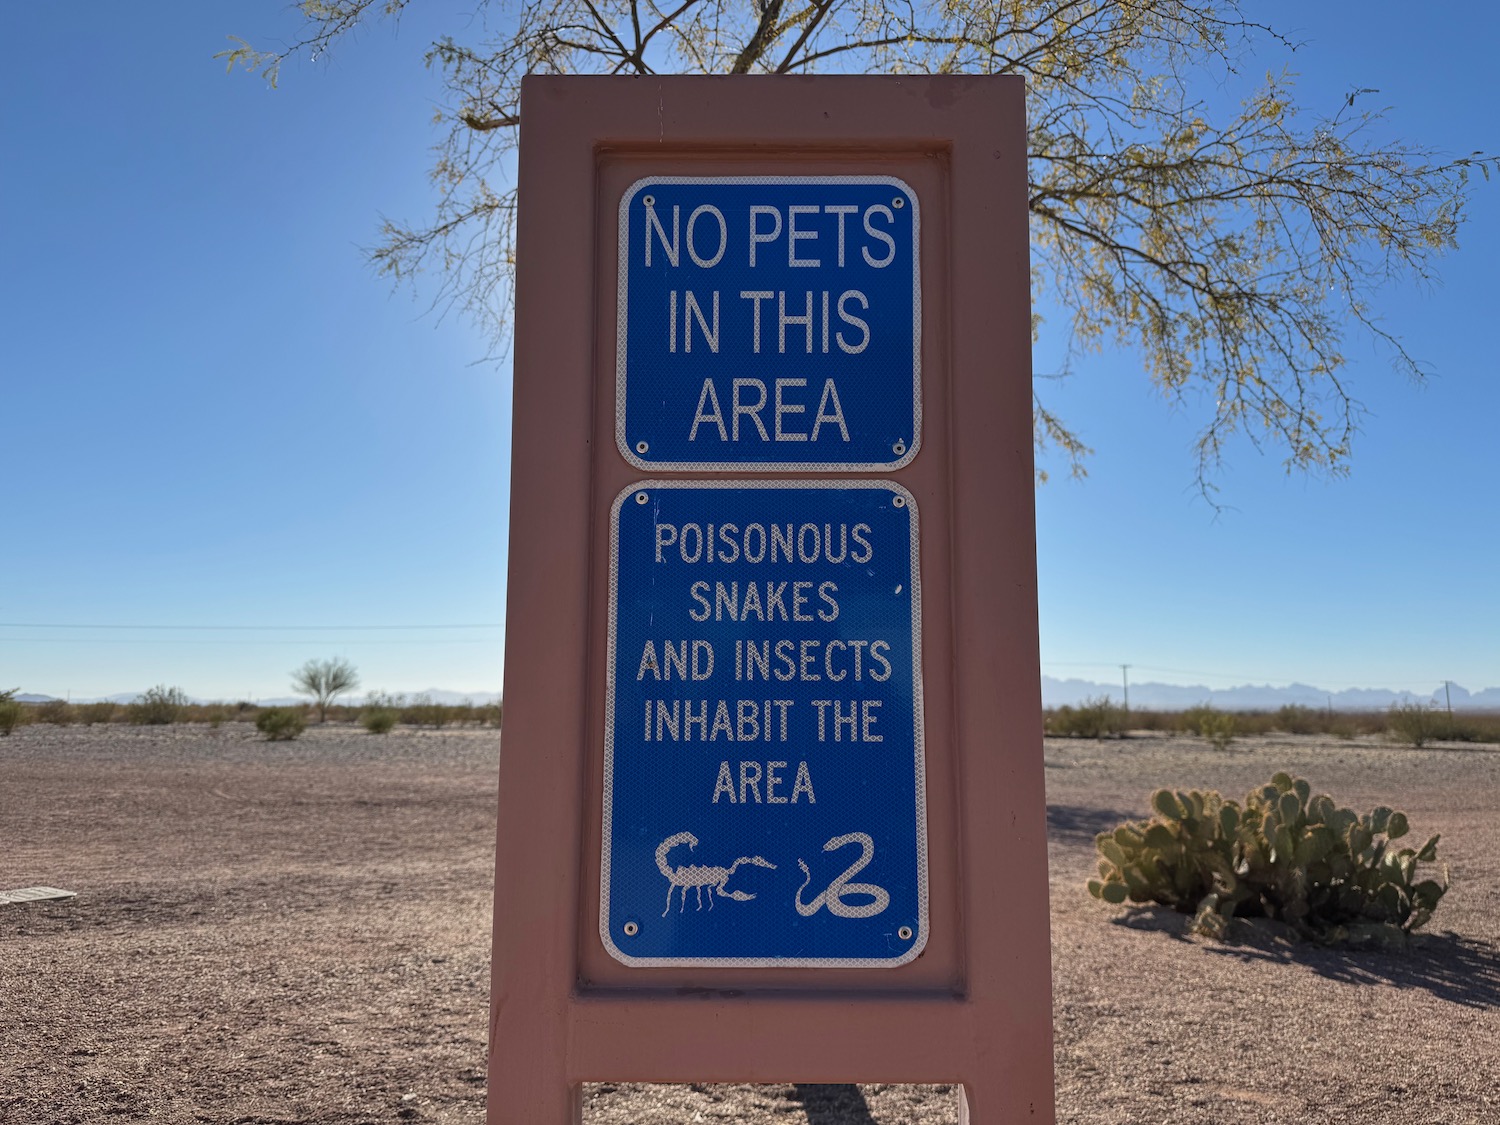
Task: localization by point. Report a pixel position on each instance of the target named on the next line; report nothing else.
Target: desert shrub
(1294, 718)
(158, 707)
(1252, 722)
(1191, 721)
(58, 712)
(280, 724)
(1218, 728)
(1331, 875)
(379, 720)
(1414, 724)
(1473, 728)
(490, 715)
(215, 716)
(1152, 720)
(100, 712)
(1093, 718)
(423, 712)
(1210, 723)
(12, 711)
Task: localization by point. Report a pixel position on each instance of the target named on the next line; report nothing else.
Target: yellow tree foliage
(1233, 249)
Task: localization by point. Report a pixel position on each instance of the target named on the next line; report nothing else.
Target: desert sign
(771, 800)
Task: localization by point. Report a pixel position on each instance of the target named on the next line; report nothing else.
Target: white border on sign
(769, 466)
(919, 940)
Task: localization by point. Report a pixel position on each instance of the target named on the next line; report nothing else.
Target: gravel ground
(298, 932)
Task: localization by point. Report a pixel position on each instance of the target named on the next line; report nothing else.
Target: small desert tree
(325, 680)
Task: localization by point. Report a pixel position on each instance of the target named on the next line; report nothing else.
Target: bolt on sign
(771, 802)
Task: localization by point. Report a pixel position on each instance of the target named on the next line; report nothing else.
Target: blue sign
(763, 782)
(769, 322)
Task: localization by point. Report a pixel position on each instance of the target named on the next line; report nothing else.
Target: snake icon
(833, 896)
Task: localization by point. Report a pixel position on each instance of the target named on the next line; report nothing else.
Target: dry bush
(379, 720)
(58, 712)
(101, 712)
(12, 712)
(281, 724)
(158, 707)
(1093, 718)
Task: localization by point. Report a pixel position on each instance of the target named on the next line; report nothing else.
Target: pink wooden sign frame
(975, 1008)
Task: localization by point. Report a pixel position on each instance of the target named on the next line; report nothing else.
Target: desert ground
(298, 932)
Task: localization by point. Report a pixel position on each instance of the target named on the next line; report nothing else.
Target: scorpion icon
(714, 878)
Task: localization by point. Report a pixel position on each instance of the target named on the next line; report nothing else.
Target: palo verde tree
(325, 680)
(1233, 247)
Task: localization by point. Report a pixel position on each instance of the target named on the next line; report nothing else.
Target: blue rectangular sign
(769, 323)
(763, 783)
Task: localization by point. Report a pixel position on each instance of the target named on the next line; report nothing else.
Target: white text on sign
(737, 320)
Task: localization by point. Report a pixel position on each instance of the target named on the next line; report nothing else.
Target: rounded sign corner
(625, 493)
(628, 197)
(918, 945)
(906, 458)
(607, 939)
(622, 444)
(908, 191)
(902, 491)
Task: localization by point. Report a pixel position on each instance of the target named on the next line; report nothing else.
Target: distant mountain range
(1055, 693)
(1262, 697)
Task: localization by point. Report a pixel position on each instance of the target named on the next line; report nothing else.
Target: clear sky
(212, 413)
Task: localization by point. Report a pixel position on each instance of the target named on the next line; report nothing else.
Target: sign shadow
(1079, 824)
(833, 1103)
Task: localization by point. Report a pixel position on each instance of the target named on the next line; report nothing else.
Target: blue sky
(214, 414)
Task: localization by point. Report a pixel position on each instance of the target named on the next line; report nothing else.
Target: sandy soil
(298, 932)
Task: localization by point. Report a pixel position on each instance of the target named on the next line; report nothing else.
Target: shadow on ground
(1457, 969)
(1460, 970)
(833, 1104)
(1079, 824)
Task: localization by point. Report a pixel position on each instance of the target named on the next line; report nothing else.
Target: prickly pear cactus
(1330, 874)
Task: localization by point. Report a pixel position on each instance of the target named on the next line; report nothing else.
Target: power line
(242, 643)
(269, 628)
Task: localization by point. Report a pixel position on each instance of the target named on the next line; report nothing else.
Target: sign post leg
(966, 1101)
(529, 1087)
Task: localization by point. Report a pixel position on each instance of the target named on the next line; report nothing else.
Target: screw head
(642, 447)
(904, 933)
(899, 448)
(649, 200)
(631, 929)
(898, 203)
(898, 501)
(640, 498)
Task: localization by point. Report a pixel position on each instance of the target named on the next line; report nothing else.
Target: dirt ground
(298, 932)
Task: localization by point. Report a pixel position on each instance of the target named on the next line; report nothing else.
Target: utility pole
(1448, 695)
(1125, 674)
